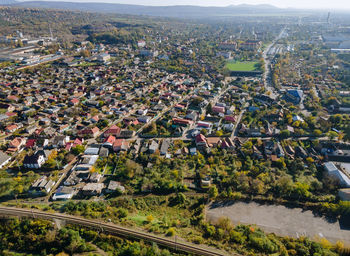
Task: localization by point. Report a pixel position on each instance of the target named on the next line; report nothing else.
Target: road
(267, 72)
(234, 132)
(114, 229)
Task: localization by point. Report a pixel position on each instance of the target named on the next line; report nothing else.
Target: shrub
(262, 243)
(170, 232)
(122, 213)
(237, 237)
(150, 218)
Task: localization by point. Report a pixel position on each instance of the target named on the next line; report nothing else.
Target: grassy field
(241, 66)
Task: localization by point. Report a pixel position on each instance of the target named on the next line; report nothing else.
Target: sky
(310, 4)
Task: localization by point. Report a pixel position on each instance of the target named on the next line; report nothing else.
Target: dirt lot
(294, 222)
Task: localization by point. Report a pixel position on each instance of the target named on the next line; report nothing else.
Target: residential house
(92, 189)
(206, 182)
(11, 128)
(63, 193)
(120, 145)
(4, 159)
(300, 152)
(334, 172)
(230, 119)
(108, 142)
(115, 186)
(16, 144)
(213, 141)
(181, 121)
(91, 132)
(112, 131)
(294, 96)
(227, 144)
(153, 147)
(228, 127)
(60, 141)
(165, 146)
(144, 119)
(31, 143)
(34, 161)
(95, 177)
(218, 110)
(344, 194)
(42, 186)
(201, 141)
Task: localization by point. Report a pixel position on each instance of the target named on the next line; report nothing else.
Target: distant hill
(256, 7)
(7, 2)
(177, 11)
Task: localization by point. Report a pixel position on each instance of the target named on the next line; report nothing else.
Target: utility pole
(175, 243)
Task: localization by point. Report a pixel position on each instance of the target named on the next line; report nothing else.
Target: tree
(150, 218)
(170, 232)
(219, 133)
(285, 134)
(204, 132)
(336, 119)
(332, 135)
(317, 132)
(213, 192)
(248, 145)
(122, 213)
(77, 150)
(301, 189)
(85, 53)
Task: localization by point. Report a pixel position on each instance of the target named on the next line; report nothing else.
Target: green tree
(77, 150)
(213, 192)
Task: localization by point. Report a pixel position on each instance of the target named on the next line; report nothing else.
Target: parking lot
(278, 219)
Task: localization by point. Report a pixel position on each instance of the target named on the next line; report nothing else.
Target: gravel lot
(278, 219)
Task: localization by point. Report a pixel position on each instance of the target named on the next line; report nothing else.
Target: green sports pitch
(242, 66)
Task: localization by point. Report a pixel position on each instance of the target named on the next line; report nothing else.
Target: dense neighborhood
(254, 112)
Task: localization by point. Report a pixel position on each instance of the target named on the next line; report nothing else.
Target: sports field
(241, 66)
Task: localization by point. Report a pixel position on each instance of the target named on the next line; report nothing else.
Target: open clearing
(278, 219)
(241, 66)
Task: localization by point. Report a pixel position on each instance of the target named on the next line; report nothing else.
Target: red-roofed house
(31, 143)
(93, 132)
(182, 121)
(231, 119)
(120, 145)
(52, 98)
(11, 128)
(95, 119)
(10, 114)
(74, 102)
(201, 141)
(130, 121)
(73, 144)
(12, 98)
(218, 109)
(113, 130)
(109, 141)
(227, 144)
(15, 144)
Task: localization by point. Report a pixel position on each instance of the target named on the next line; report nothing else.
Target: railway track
(113, 229)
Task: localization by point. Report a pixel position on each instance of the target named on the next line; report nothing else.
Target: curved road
(113, 229)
